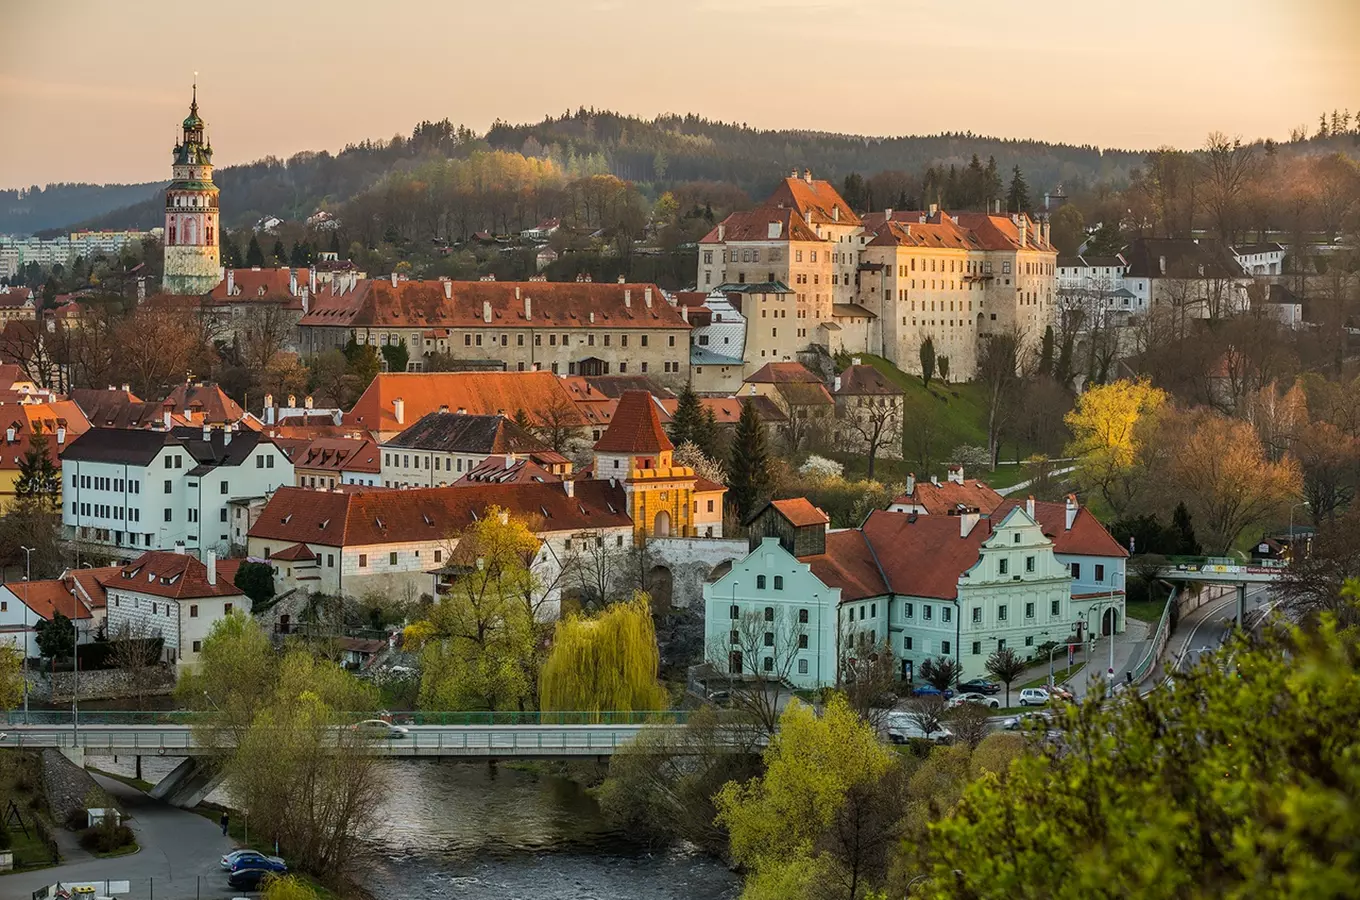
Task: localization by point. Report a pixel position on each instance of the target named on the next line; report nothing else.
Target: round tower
(193, 260)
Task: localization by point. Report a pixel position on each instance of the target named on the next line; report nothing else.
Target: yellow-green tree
(11, 678)
(482, 644)
(1240, 783)
(1109, 425)
(288, 887)
(234, 677)
(822, 822)
(605, 662)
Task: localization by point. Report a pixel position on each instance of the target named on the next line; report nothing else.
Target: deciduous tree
(606, 662)
(1106, 438)
(926, 353)
(1006, 665)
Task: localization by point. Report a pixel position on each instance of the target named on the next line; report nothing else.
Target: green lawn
(1145, 610)
(21, 779)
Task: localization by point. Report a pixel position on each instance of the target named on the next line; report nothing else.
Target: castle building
(192, 258)
(635, 450)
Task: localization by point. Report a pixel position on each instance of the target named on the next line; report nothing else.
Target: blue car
(929, 690)
(258, 861)
(249, 879)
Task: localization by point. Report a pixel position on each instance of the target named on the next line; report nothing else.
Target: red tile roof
(366, 517)
(1000, 233)
(177, 576)
(636, 427)
(48, 597)
(947, 496)
(940, 235)
(332, 454)
(825, 202)
(26, 418)
(754, 225)
(865, 380)
(260, 285)
(203, 403)
(479, 393)
(1087, 537)
(294, 552)
(782, 373)
(800, 512)
(923, 556)
(848, 564)
(507, 470)
(467, 304)
(91, 584)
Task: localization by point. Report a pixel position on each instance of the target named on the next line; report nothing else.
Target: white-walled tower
(193, 259)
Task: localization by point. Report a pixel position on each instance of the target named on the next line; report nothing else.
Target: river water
(469, 831)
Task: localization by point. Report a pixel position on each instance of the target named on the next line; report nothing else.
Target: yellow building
(60, 421)
(636, 451)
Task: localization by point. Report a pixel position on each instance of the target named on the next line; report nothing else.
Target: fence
(400, 717)
(1159, 639)
(186, 887)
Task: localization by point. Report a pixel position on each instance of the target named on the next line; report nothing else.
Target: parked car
(1034, 697)
(973, 697)
(981, 686)
(377, 728)
(930, 690)
(249, 879)
(259, 861)
(1062, 693)
(903, 727)
(230, 859)
(1027, 720)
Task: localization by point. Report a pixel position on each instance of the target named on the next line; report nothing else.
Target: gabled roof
(332, 454)
(27, 418)
(203, 403)
(1186, 258)
(177, 576)
(120, 409)
(800, 512)
(294, 553)
(136, 447)
(91, 584)
(848, 564)
(798, 394)
(944, 235)
(782, 373)
(1086, 537)
(862, 379)
(923, 556)
(368, 517)
(262, 285)
(454, 433)
(506, 470)
(814, 195)
(947, 497)
(635, 427)
(995, 232)
(539, 394)
(765, 223)
(48, 597)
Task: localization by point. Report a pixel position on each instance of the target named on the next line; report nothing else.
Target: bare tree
(134, 655)
(559, 424)
(759, 656)
(927, 713)
(1228, 166)
(263, 333)
(867, 677)
(998, 371)
(873, 420)
(970, 722)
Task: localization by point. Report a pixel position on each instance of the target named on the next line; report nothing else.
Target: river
(472, 832)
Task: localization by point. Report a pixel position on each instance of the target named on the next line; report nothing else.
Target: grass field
(20, 780)
(1146, 610)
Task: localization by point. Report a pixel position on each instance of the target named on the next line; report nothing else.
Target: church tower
(192, 258)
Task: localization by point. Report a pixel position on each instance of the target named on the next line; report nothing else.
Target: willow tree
(604, 662)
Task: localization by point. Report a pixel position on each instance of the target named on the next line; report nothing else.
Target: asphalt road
(180, 857)
(1205, 630)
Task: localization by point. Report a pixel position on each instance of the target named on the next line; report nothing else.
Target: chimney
(934, 208)
(61, 435)
(209, 559)
(1044, 232)
(628, 298)
(528, 307)
(684, 313)
(394, 279)
(399, 410)
(269, 409)
(306, 296)
(997, 207)
(956, 473)
(1022, 224)
(486, 311)
(837, 388)
(165, 417)
(292, 401)
(226, 435)
(807, 175)
(569, 486)
(722, 230)
(307, 401)
(592, 317)
(292, 281)
(967, 522)
(1029, 506)
(231, 282)
(807, 217)
(443, 407)
(448, 290)
(516, 292)
(835, 213)
(911, 483)
(509, 461)
(621, 279)
(1161, 264)
(1071, 510)
(856, 361)
(647, 297)
(127, 388)
(207, 432)
(887, 214)
(311, 280)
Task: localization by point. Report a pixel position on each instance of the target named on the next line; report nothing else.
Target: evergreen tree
(1186, 542)
(993, 183)
(280, 254)
(38, 478)
(749, 467)
(854, 192)
(54, 637)
(521, 419)
(1106, 241)
(254, 255)
(1017, 198)
(1046, 352)
(231, 254)
(943, 365)
(297, 256)
(927, 353)
(49, 292)
(688, 418)
(1063, 372)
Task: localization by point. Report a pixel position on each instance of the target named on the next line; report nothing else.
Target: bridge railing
(1159, 639)
(399, 717)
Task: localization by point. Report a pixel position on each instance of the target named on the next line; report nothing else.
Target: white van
(902, 728)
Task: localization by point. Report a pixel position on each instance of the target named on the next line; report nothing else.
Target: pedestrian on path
(225, 821)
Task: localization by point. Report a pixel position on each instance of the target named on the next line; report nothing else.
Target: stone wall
(67, 785)
(110, 684)
(691, 561)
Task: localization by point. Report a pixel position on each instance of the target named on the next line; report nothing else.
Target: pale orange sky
(93, 90)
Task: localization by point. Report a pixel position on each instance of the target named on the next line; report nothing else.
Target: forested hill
(657, 154)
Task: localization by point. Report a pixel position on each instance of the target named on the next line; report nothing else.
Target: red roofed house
(60, 422)
(172, 595)
(947, 498)
(23, 604)
(958, 586)
(282, 295)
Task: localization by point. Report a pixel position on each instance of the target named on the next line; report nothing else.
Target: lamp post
(28, 559)
(1291, 528)
(75, 674)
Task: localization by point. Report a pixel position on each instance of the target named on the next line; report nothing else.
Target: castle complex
(192, 258)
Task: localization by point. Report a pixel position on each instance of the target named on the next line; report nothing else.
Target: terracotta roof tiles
(635, 428)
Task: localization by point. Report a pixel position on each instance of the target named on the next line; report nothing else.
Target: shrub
(106, 838)
(77, 819)
(5, 839)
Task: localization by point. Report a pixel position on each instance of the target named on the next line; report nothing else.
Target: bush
(106, 838)
(5, 839)
(77, 819)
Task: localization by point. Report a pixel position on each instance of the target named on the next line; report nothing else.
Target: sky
(93, 90)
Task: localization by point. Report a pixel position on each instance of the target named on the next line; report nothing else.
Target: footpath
(180, 856)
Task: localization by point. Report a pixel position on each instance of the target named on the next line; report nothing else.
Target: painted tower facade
(192, 258)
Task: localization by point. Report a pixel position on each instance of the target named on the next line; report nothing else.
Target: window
(169, 513)
(733, 637)
(944, 647)
(802, 642)
(198, 645)
(222, 514)
(802, 617)
(779, 582)
(224, 487)
(439, 556)
(363, 560)
(734, 612)
(927, 611)
(977, 648)
(259, 462)
(226, 609)
(1056, 608)
(193, 610)
(760, 582)
(946, 614)
(1076, 571)
(1001, 644)
(769, 614)
(1003, 566)
(977, 615)
(906, 642)
(769, 639)
(908, 610)
(1029, 610)
(1029, 564)
(1016, 539)
(1100, 573)
(169, 487)
(1029, 640)
(802, 667)
(768, 664)
(1001, 613)
(330, 560)
(734, 662)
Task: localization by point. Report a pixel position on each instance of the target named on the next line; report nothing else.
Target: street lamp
(1291, 527)
(28, 558)
(75, 674)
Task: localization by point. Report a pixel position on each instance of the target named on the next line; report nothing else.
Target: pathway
(180, 857)
(1130, 647)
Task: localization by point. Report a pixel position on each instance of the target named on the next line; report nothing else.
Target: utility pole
(28, 571)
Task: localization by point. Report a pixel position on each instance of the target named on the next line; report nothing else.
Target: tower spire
(193, 105)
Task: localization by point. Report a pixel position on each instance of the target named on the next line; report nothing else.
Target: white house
(174, 596)
(439, 448)
(137, 490)
(23, 604)
(1261, 259)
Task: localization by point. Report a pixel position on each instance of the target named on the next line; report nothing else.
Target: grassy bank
(21, 781)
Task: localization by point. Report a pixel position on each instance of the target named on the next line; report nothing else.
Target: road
(180, 857)
(1205, 629)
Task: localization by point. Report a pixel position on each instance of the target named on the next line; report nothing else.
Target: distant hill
(655, 153)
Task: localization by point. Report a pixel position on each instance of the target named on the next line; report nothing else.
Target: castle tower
(192, 258)
(635, 450)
